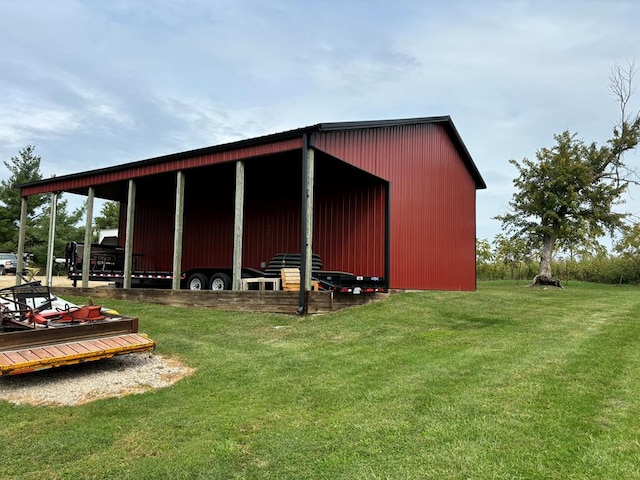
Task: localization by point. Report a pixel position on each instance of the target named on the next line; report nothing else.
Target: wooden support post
(52, 237)
(88, 234)
(128, 241)
(238, 226)
(21, 239)
(306, 247)
(178, 229)
(308, 220)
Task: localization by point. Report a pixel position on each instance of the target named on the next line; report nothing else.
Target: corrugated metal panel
(271, 219)
(349, 217)
(72, 184)
(208, 221)
(432, 204)
(154, 218)
(272, 208)
(348, 226)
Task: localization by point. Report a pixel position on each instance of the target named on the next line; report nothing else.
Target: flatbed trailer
(106, 263)
(40, 331)
(31, 350)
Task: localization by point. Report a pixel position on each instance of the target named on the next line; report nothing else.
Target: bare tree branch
(622, 88)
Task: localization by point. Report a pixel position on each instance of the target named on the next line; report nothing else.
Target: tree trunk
(547, 254)
(545, 277)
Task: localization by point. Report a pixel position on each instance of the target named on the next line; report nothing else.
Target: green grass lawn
(506, 382)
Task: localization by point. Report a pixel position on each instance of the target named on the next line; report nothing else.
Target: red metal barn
(392, 198)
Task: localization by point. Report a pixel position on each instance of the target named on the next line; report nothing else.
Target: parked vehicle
(8, 263)
(107, 264)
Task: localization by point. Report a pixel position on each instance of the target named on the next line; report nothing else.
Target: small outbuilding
(391, 198)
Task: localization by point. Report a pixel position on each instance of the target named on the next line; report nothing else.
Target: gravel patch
(77, 384)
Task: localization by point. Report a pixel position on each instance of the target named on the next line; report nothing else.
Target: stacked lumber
(290, 279)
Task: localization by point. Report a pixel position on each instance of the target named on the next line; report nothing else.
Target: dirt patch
(56, 281)
(78, 384)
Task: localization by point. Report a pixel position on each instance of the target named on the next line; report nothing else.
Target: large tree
(68, 228)
(568, 194)
(24, 168)
(109, 216)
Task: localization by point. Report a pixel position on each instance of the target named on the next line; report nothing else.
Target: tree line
(502, 258)
(24, 168)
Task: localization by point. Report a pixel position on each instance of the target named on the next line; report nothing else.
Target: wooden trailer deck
(31, 350)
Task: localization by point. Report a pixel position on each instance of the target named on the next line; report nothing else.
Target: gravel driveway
(77, 384)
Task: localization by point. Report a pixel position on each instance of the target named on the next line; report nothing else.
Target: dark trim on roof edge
(287, 135)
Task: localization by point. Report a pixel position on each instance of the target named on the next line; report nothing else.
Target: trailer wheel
(220, 281)
(197, 281)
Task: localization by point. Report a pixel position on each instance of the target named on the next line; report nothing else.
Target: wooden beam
(52, 237)
(238, 224)
(21, 239)
(308, 219)
(88, 234)
(178, 229)
(128, 241)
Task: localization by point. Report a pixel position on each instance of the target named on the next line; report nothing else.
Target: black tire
(2, 272)
(197, 281)
(220, 281)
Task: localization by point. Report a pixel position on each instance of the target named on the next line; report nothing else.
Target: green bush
(608, 270)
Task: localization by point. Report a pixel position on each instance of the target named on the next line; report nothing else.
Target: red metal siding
(164, 167)
(432, 201)
(271, 218)
(153, 222)
(208, 219)
(348, 214)
(272, 208)
(349, 218)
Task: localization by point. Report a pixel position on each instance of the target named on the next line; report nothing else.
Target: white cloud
(98, 83)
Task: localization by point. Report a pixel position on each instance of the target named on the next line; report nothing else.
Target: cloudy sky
(97, 83)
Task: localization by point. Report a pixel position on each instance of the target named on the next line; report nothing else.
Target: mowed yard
(506, 382)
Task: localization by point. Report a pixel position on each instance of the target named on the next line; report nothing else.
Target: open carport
(391, 198)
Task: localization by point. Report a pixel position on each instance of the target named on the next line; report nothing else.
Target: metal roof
(286, 135)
